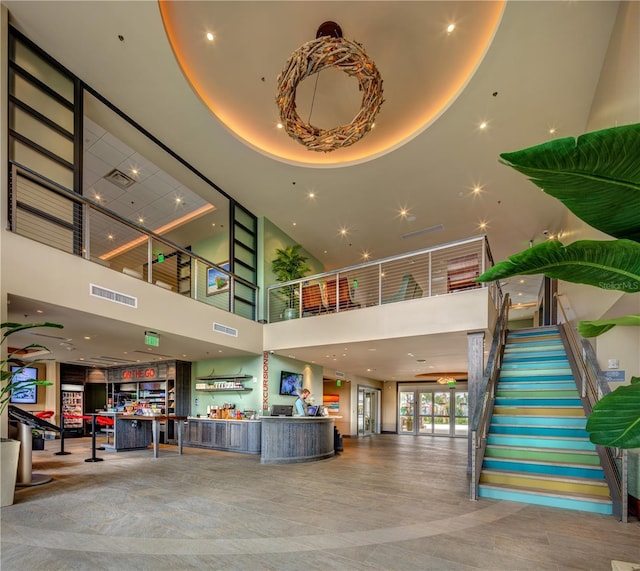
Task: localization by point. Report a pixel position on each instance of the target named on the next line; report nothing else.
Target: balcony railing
(444, 269)
(43, 210)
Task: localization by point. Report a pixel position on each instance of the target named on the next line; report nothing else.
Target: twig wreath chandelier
(329, 49)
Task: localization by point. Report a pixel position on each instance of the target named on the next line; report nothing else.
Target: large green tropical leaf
(595, 328)
(597, 176)
(613, 264)
(615, 418)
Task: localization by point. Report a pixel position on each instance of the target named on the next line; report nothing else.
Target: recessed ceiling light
(403, 212)
(483, 125)
(39, 311)
(295, 223)
(140, 219)
(312, 195)
(110, 236)
(552, 130)
(482, 225)
(477, 188)
(450, 28)
(279, 125)
(366, 255)
(210, 36)
(87, 337)
(343, 232)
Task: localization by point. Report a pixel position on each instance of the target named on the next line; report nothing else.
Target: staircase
(538, 450)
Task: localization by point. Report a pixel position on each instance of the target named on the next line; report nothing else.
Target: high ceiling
(522, 68)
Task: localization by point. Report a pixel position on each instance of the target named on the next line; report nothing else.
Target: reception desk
(291, 439)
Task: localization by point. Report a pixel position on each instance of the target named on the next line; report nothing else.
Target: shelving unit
(229, 390)
(236, 379)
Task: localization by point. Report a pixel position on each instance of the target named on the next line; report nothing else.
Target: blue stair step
(532, 401)
(540, 467)
(575, 421)
(538, 442)
(579, 503)
(533, 430)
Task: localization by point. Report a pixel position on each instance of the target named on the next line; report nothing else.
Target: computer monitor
(313, 410)
(281, 410)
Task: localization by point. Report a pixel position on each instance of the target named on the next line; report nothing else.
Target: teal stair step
(566, 501)
(538, 356)
(562, 367)
(532, 346)
(533, 430)
(537, 385)
(515, 376)
(541, 442)
(541, 467)
(537, 401)
(560, 421)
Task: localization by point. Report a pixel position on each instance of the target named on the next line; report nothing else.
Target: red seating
(44, 414)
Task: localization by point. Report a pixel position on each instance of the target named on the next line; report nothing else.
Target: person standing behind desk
(301, 404)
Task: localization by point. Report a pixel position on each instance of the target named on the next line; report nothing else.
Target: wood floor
(387, 502)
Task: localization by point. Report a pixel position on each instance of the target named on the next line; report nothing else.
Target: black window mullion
(40, 85)
(40, 149)
(42, 118)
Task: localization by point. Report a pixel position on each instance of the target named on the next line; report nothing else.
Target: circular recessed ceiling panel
(232, 53)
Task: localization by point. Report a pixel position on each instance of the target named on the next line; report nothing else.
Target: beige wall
(616, 102)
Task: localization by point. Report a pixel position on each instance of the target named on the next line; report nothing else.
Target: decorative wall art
(217, 281)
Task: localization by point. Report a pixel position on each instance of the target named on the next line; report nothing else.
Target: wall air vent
(340, 374)
(225, 329)
(423, 231)
(109, 294)
(120, 179)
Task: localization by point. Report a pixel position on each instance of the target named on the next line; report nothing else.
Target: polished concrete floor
(387, 502)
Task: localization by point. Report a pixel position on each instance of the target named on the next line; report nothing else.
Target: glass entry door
(367, 411)
(439, 411)
(406, 420)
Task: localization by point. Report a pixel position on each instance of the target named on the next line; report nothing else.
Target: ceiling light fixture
(329, 49)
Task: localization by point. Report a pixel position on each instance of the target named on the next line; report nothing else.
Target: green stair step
(544, 482)
(589, 457)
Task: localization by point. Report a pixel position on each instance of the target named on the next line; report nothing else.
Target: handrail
(592, 387)
(481, 418)
(415, 274)
(83, 201)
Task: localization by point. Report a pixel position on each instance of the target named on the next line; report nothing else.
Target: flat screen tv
(290, 383)
(23, 391)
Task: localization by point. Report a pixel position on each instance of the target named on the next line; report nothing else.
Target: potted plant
(597, 177)
(11, 367)
(289, 264)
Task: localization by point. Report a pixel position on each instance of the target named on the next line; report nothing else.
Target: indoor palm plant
(597, 177)
(11, 367)
(289, 264)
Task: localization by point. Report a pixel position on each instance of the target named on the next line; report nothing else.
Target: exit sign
(152, 339)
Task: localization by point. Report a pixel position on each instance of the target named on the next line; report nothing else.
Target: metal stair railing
(592, 387)
(481, 419)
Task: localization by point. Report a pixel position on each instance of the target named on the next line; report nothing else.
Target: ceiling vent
(226, 330)
(111, 295)
(120, 179)
(423, 231)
